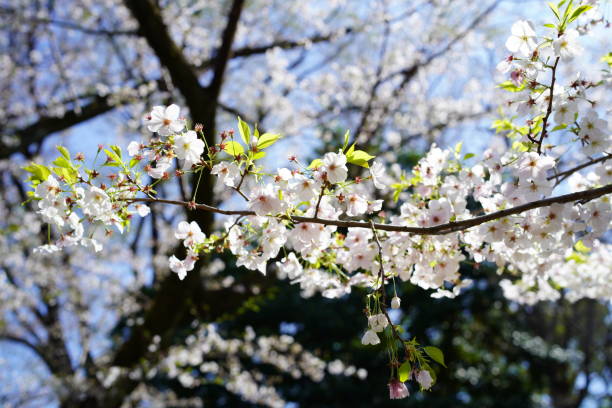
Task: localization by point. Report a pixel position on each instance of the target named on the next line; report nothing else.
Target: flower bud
(395, 303)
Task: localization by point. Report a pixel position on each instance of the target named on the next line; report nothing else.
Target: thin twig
(319, 201)
(550, 104)
(565, 174)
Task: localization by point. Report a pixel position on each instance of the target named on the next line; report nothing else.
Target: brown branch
(44, 126)
(565, 174)
(152, 27)
(282, 44)
(69, 25)
(581, 197)
(224, 51)
(550, 104)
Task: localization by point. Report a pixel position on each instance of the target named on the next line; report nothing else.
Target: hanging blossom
(504, 208)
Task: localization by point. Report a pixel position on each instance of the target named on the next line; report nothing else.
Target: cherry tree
(346, 219)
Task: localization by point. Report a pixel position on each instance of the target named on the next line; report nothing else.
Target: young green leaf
(117, 151)
(38, 171)
(435, 354)
(360, 158)
(578, 11)
(233, 148)
(63, 162)
(346, 140)
(315, 163)
(113, 156)
(580, 247)
(403, 371)
(267, 140)
(258, 155)
(245, 131)
(555, 10)
(63, 151)
(510, 86)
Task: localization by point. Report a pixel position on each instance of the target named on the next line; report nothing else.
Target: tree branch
(37, 131)
(223, 53)
(565, 174)
(581, 196)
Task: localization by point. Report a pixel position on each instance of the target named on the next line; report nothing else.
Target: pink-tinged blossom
(305, 189)
(289, 267)
(439, 212)
(378, 322)
(334, 165)
(356, 205)
(228, 173)
(190, 233)
(165, 121)
(377, 171)
(395, 302)
(566, 46)
(533, 165)
(96, 202)
(397, 389)
(134, 148)
(358, 237)
(264, 200)
(424, 379)
(188, 148)
(161, 168)
(48, 188)
(142, 210)
(522, 40)
(370, 338)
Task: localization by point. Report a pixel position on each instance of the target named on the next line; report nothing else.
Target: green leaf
(38, 172)
(550, 25)
(267, 140)
(520, 146)
(245, 131)
(63, 162)
(359, 157)
(435, 354)
(403, 371)
(134, 162)
(607, 59)
(559, 127)
(67, 174)
(315, 163)
(578, 11)
(350, 150)
(458, 148)
(115, 159)
(258, 155)
(117, 151)
(468, 156)
(576, 257)
(555, 10)
(63, 151)
(233, 148)
(580, 247)
(346, 139)
(510, 86)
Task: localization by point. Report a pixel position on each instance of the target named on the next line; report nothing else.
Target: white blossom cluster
(329, 225)
(220, 359)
